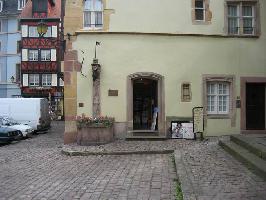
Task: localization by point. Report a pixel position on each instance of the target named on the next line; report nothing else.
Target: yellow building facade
(160, 59)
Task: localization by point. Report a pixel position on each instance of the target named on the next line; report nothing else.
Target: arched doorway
(145, 103)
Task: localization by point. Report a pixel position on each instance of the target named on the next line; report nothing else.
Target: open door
(255, 106)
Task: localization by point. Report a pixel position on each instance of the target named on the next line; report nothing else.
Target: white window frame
(36, 80)
(34, 53)
(216, 96)
(92, 16)
(1, 6)
(237, 17)
(240, 17)
(199, 8)
(46, 53)
(33, 31)
(47, 80)
(48, 33)
(252, 17)
(21, 4)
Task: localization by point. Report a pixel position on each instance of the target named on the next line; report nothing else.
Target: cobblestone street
(36, 169)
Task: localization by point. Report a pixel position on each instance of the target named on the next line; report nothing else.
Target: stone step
(253, 162)
(251, 144)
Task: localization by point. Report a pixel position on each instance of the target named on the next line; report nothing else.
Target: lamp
(12, 79)
(42, 28)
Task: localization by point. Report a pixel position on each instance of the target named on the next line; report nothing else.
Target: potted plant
(94, 131)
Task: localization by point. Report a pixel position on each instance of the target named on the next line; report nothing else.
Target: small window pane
(199, 4)
(247, 11)
(232, 11)
(98, 19)
(247, 25)
(87, 19)
(199, 14)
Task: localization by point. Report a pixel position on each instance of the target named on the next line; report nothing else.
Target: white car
(25, 129)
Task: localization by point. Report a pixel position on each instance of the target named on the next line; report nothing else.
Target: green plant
(102, 121)
(178, 189)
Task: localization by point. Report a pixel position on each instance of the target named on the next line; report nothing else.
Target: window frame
(35, 83)
(232, 99)
(1, 25)
(183, 99)
(255, 15)
(1, 5)
(92, 16)
(203, 9)
(33, 54)
(216, 96)
(21, 4)
(45, 50)
(46, 83)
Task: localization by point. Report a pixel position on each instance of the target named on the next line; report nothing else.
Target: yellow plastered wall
(177, 58)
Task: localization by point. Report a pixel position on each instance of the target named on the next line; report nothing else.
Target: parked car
(8, 135)
(24, 129)
(31, 111)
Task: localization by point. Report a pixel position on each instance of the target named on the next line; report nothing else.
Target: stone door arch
(161, 99)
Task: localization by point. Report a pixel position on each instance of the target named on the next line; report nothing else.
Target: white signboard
(182, 130)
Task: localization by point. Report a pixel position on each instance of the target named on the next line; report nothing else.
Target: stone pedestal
(95, 135)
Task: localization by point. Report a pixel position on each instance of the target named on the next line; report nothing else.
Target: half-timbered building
(41, 27)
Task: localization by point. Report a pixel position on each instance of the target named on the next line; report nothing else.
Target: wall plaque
(113, 93)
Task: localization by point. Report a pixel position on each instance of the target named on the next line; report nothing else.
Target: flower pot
(95, 135)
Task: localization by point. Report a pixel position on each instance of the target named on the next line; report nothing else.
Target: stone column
(96, 101)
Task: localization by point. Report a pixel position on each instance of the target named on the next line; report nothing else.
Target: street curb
(186, 184)
(89, 153)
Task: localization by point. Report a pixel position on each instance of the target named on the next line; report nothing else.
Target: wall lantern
(12, 79)
(42, 28)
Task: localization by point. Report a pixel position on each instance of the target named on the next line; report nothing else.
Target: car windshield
(8, 121)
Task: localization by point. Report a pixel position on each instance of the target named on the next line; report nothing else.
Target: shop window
(185, 92)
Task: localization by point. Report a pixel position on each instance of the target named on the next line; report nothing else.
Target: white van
(31, 111)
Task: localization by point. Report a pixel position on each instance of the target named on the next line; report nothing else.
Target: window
(93, 14)
(45, 55)
(199, 10)
(34, 79)
(18, 46)
(49, 32)
(21, 4)
(217, 97)
(1, 6)
(185, 92)
(46, 79)
(18, 73)
(241, 18)
(33, 55)
(33, 31)
(1, 24)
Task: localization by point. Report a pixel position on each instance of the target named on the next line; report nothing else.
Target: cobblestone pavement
(36, 169)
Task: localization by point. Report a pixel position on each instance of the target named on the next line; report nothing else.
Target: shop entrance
(145, 104)
(255, 106)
